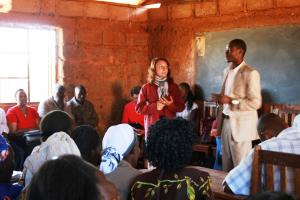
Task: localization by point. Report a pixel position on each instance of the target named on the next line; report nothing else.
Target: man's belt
(225, 116)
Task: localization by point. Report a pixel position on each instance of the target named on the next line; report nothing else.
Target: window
(27, 61)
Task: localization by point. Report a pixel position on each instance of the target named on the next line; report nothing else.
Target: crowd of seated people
(70, 152)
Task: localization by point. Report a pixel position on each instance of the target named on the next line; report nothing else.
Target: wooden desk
(217, 178)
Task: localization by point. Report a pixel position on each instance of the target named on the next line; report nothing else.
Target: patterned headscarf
(117, 143)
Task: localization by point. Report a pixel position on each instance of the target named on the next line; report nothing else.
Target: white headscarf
(117, 143)
(296, 122)
(56, 145)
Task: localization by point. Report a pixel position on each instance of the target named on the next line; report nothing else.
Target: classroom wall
(102, 46)
(107, 47)
(173, 27)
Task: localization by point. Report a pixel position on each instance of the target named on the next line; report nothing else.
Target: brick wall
(107, 47)
(173, 27)
(102, 46)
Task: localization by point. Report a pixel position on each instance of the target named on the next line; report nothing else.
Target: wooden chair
(269, 159)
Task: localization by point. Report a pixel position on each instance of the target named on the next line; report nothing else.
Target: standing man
(83, 110)
(241, 98)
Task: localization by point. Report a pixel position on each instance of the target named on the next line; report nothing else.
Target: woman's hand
(159, 105)
(165, 101)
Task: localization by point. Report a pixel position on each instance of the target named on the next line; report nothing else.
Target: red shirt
(147, 101)
(130, 116)
(15, 115)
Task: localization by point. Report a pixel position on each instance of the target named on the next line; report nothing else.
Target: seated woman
(83, 181)
(7, 165)
(169, 149)
(119, 157)
(190, 110)
(21, 118)
(88, 143)
(54, 127)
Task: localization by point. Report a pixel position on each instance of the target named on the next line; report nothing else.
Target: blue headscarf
(117, 143)
(296, 122)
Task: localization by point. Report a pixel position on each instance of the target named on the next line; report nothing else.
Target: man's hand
(221, 99)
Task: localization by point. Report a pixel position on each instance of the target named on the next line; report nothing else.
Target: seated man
(276, 136)
(119, 157)
(83, 110)
(21, 118)
(129, 114)
(55, 102)
(88, 143)
(55, 127)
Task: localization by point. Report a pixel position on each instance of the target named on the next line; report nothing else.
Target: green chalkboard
(273, 51)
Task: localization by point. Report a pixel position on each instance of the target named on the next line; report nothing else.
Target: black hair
(55, 121)
(65, 178)
(271, 196)
(169, 144)
(272, 122)
(190, 98)
(87, 141)
(7, 167)
(80, 87)
(19, 90)
(240, 44)
(135, 90)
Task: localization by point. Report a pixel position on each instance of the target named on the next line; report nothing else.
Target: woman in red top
(160, 97)
(22, 118)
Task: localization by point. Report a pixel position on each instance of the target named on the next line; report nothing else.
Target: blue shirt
(10, 190)
(239, 178)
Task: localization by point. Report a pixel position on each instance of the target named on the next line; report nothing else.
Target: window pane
(41, 59)
(13, 65)
(8, 87)
(13, 40)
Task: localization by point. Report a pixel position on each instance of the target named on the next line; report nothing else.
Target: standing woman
(160, 97)
(190, 111)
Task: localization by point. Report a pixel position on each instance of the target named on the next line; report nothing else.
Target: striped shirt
(239, 178)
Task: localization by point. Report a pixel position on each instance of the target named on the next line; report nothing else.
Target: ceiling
(140, 2)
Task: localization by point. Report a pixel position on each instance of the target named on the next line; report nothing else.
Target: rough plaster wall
(102, 46)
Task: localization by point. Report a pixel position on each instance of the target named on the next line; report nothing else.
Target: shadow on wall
(198, 92)
(266, 96)
(117, 104)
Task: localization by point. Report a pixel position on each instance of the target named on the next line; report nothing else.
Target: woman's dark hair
(7, 167)
(169, 144)
(55, 121)
(190, 98)
(87, 141)
(66, 178)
